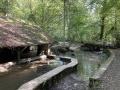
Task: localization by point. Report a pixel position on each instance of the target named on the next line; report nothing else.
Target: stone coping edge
(98, 74)
(47, 77)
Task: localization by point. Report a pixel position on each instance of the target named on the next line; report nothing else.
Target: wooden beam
(19, 51)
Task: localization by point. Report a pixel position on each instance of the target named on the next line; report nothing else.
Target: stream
(88, 63)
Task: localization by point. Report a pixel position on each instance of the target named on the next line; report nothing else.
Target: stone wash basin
(46, 80)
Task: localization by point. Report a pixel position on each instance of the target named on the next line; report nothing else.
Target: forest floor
(111, 78)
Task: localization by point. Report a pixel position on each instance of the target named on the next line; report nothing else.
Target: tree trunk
(5, 9)
(102, 28)
(43, 15)
(7, 2)
(69, 20)
(64, 20)
(115, 27)
(32, 15)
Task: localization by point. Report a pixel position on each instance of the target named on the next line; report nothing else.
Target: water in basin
(16, 75)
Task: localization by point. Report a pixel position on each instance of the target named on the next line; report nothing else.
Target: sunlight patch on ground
(4, 67)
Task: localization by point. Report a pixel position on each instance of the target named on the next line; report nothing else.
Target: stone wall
(48, 79)
(95, 79)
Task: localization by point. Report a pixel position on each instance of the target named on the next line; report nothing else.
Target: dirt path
(111, 78)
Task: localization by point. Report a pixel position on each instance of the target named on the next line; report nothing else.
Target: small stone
(75, 84)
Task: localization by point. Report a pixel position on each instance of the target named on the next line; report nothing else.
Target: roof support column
(18, 54)
(38, 50)
(19, 51)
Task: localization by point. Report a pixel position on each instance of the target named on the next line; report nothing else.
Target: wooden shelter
(18, 35)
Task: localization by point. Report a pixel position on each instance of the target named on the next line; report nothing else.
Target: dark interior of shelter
(10, 54)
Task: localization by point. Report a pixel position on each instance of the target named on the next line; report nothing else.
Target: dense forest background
(83, 21)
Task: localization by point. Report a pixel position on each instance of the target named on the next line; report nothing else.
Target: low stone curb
(98, 74)
(46, 80)
(27, 60)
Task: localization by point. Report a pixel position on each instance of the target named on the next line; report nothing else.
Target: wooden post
(19, 51)
(38, 50)
(18, 54)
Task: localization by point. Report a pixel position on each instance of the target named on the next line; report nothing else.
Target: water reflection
(86, 68)
(89, 62)
(57, 63)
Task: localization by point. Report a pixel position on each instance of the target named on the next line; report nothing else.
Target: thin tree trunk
(30, 6)
(8, 1)
(64, 20)
(115, 24)
(32, 16)
(69, 14)
(5, 10)
(115, 27)
(102, 28)
(42, 14)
